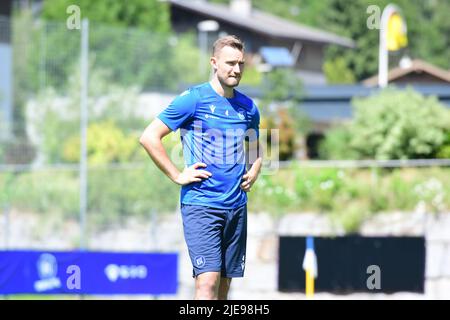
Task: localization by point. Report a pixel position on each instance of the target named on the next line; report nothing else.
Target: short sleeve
(254, 122)
(181, 109)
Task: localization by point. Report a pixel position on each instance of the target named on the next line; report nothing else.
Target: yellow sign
(396, 33)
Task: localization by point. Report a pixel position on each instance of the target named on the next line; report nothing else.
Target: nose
(237, 69)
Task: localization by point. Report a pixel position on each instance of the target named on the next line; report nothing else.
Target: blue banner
(82, 272)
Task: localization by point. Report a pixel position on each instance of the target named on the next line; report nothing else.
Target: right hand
(192, 174)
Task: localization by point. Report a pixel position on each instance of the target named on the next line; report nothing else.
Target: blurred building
(414, 72)
(328, 105)
(270, 40)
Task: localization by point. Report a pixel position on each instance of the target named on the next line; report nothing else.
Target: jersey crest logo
(212, 107)
(241, 114)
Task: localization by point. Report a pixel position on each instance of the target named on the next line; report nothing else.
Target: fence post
(83, 129)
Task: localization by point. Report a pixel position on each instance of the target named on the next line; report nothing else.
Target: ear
(213, 61)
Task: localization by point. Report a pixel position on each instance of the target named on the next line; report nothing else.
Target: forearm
(252, 174)
(256, 152)
(256, 166)
(155, 149)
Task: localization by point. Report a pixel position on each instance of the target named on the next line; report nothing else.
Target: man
(215, 121)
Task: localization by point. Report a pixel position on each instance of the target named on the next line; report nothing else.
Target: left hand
(248, 180)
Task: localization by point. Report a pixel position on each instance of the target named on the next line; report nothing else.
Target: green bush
(106, 143)
(347, 196)
(444, 150)
(56, 131)
(336, 145)
(115, 195)
(45, 192)
(350, 196)
(398, 124)
(350, 216)
(55, 120)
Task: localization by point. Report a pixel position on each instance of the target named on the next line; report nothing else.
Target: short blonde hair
(230, 41)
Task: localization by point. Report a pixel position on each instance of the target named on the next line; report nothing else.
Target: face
(228, 65)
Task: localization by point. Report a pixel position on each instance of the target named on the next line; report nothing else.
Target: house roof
(264, 23)
(417, 66)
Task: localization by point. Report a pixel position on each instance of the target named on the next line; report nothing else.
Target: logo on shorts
(200, 261)
(243, 263)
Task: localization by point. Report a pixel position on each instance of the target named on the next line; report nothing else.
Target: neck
(224, 91)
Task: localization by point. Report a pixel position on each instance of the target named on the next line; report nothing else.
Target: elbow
(148, 140)
(142, 140)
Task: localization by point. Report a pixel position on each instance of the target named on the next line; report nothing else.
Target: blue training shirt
(213, 129)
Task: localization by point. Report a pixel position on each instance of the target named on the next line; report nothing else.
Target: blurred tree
(427, 22)
(133, 40)
(134, 56)
(428, 32)
(337, 72)
(309, 12)
(153, 15)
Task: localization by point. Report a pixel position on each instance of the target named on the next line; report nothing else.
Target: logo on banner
(114, 272)
(47, 268)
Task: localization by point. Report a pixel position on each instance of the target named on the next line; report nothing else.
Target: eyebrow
(242, 61)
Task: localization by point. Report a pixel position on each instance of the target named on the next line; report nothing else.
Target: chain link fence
(131, 74)
(40, 167)
(129, 202)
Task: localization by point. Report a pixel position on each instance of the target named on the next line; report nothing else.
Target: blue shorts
(216, 239)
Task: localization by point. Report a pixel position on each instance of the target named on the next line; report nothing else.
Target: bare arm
(256, 153)
(151, 140)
